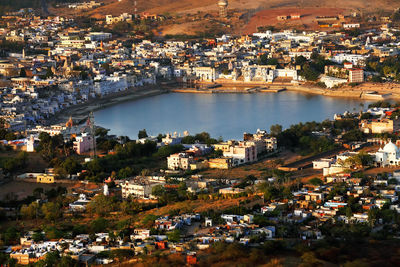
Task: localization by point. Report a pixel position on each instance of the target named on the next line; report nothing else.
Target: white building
(322, 163)
(138, 187)
(179, 161)
(205, 73)
(389, 155)
(353, 58)
(331, 82)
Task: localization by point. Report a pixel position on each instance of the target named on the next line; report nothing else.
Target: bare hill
(116, 7)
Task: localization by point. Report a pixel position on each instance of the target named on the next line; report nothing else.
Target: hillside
(197, 18)
(116, 7)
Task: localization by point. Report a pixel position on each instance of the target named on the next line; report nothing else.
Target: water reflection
(227, 115)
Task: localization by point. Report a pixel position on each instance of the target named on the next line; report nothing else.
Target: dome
(391, 148)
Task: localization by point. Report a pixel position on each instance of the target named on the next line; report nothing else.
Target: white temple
(389, 155)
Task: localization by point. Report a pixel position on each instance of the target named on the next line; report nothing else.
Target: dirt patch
(18, 190)
(307, 18)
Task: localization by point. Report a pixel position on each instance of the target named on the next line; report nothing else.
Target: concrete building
(380, 126)
(83, 143)
(179, 161)
(139, 187)
(389, 155)
(322, 163)
(356, 76)
(205, 73)
(45, 179)
(223, 8)
(220, 163)
(242, 154)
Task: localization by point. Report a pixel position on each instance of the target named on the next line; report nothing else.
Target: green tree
(99, 225)
(49, 73)
(316, 181)
(71, 165)
(142, 134)
(30, 211)
(158, 191)
(22, 72)
(174, 236)
(101, 205)
(275, 129)
(51, 211)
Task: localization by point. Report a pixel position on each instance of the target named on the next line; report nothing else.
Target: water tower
(223, 6)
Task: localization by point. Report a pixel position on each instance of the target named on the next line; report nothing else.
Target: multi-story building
(380, 126)
(139, 187)
(220, 163)
(83, 143)
(205, 73)
(179, 161)
(242, 153)
(356, 76)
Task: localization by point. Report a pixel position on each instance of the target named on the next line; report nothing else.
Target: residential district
(316, 193)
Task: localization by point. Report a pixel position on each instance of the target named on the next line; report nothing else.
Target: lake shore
(363, 91)
(81, 111)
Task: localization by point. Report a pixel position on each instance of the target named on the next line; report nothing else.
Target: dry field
(115, 7)
(307, 20)
(254, 13)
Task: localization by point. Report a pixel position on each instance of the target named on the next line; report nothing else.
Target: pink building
(83, 143)
(356, 76)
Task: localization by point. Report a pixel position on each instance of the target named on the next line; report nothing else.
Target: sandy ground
(267, 10)
(21, 189)
(189, 28)
(307, 20)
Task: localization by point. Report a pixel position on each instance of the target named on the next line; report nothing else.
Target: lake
(226, 115)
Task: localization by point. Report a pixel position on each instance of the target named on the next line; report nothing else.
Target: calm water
(226, 115)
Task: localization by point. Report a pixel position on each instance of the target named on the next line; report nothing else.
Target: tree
(316, 181)
(158, 191)
(67, 261)
(142, 134)
(37, 236)
(10, 136)
(71, 165)
(101, 205)
(22, 72)
(300, 60)
(174, 236)
(275, 129)
(51, 211)
(30, 211)
(99, 225)
(49, 73)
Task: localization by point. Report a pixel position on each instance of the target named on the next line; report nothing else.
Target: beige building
(269, 143)
(240, 152)
(199, 165)
(205, 73)
(139, 187)
(220, 163)
(179, 161)
(380, 126)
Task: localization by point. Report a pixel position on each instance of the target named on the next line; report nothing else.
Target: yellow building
(220, 163)
(199, 165)
(45, 179)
